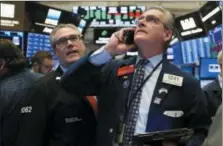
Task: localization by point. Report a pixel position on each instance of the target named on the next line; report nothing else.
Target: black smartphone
(128, 37)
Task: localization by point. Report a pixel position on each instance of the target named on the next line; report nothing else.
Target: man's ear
(168, 35)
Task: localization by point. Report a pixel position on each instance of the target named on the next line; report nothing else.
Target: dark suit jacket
(13, 88)
(103, 81)
(215, 133)
(54, 117)
(213, 93)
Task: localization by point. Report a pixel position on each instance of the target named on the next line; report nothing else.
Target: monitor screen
(110, 16)
(53, 17)
(209, 68)
(215, 36)
(43, 18)
(211, 14)
(16, 37)
(7, 10)
(177, 52)
(102, 35)
(193, 50)
(38, 42)
(187, 69)
(12, 15)
(190, 26)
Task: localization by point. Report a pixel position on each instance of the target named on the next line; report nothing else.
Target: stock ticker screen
(193, 50)
(209, 68)
(102, 35)
(113, 16)
(17, 37)
(215, 36)
(38, 42)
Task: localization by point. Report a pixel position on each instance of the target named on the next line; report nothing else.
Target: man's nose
(69, 42)
(141, 23)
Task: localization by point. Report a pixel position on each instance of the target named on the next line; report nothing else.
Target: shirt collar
(153, 60)
(220, 80)
(64, 69)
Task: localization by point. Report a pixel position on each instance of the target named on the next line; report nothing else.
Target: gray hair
(220, 57)
(59, 26)
(169, 17)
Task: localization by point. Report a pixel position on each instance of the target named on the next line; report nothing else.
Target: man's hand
(116, 45)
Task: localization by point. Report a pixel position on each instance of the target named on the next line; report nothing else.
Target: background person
(42, 62)
(15, 80)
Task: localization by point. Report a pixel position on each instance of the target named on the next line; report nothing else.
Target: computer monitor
(177, 52)
(102, 35)
(211, 14)
(193, 50)
(109, 16)
(17, 37)
(215, 37)
(190, 26)
(38, 42)
(209, 68)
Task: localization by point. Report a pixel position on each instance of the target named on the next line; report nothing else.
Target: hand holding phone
(128, 37)
(121, 42)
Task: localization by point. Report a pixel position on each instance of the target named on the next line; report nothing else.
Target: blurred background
(194, 46)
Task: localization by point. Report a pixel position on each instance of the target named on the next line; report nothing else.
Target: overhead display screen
(38, 42)
(190, 26)
(12, 15)
(17, 37)
(215, 36)
(113, 16)
(209, 68)
(102, 35)
(193, 50)
(211, 14)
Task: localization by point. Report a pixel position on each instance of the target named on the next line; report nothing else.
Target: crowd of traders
(96, 100)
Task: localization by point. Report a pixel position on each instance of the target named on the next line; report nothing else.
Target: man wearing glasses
(140, 94)
(50, 115)
(42, 62)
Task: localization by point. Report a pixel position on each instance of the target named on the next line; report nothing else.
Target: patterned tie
(134, 109)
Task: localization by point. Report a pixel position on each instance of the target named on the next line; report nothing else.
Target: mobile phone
(128, 37)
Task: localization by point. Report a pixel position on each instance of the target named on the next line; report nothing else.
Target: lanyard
(130, 98)
(129, 101)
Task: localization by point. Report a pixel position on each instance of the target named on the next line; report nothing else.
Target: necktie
(134, 109)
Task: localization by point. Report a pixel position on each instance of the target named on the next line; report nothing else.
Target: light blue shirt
(101, 56)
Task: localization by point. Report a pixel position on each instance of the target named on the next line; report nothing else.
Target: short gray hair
(59, 26)
(169, 17)
(220, 57)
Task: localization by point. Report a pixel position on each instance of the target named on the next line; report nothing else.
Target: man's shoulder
(45, 80)
(211, 86)
(187, 77)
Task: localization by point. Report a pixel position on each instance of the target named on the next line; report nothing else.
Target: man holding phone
(140, 94)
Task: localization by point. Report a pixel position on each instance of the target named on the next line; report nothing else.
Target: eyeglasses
(150, 18)
(64, 41)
